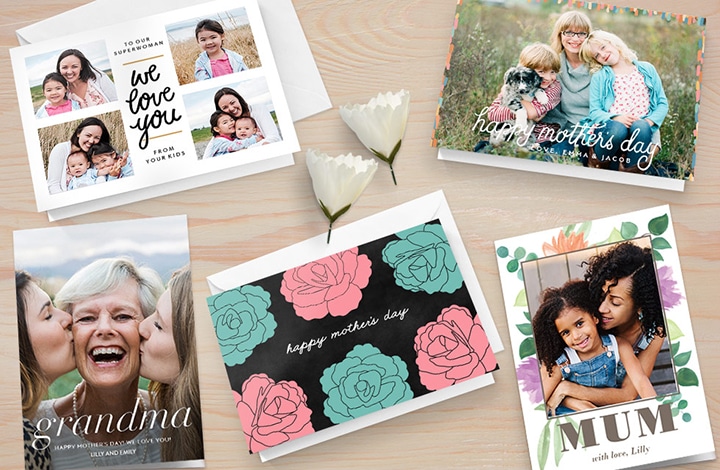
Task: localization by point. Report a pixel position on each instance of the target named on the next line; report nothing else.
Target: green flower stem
(332, 217)
(389, 160)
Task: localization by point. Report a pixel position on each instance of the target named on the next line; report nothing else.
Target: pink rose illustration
(331, 285)
(272, 413)
(452, 349)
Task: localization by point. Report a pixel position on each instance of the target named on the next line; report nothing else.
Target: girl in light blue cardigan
(214, 60)
(627, 103)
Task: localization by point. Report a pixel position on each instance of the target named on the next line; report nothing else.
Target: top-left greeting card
(150, 107)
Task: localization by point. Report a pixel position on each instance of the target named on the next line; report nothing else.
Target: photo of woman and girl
(88, 158)
(610, 107)
(75, 84)
(114, 321)
(598, 338)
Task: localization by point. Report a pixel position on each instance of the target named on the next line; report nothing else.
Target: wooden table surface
(362, 48)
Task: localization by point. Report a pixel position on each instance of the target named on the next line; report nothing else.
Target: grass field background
(490, 36)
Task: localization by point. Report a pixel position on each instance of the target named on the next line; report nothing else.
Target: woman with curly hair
(622, 282)
(571, 348)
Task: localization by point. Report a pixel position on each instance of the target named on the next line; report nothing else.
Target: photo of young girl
(213, 46)
(62, 81)
(598, 327)
(55, 90)
(570, 347)
(628, 103)
(232, 118)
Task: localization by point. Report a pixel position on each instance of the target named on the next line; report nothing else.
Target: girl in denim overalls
(570, 347)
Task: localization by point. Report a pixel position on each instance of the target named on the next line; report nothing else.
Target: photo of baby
(232, 118)
(83, 153)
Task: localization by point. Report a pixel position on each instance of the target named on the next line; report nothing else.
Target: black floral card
(584, 89)
(351, 334)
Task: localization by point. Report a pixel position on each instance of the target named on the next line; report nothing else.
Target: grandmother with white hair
(106, 420)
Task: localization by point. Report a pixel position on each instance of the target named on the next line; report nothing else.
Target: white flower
(380, 124)
(338, 181)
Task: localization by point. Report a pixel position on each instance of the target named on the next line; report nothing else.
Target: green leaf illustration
(544, 445)
(628, 230)
(521, 299)
(658, 225)
(674, 348)
(687, 378)
(527, 348)
(657, 256)
(526, 329)
(585, 229)
(503, 252)
(520, 252)
(673, 330)
(527, 315)
(513, 265)
(682, 359)
(659, 243)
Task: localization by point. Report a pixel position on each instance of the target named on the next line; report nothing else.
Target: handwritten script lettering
(141, 103)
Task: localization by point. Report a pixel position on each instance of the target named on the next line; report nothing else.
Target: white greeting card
(151, 95)
(615, 283)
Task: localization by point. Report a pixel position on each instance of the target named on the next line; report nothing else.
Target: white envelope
(304, 88)
(432, 206)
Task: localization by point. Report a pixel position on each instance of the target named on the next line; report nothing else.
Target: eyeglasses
(569, 34)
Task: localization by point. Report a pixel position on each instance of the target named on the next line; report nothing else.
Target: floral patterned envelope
(672, 427)
(361, 332)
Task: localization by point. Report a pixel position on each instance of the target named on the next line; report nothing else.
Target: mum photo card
(602, 339)
(583, 89)
(352, 333)
(152, 106)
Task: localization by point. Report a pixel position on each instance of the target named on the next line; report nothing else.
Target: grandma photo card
(604, 351)
(152, 106)
(583, 89)
(356, 333)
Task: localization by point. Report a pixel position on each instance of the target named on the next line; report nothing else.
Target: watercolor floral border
(572, 238)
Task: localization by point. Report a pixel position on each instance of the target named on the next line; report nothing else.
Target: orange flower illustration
(564, 244)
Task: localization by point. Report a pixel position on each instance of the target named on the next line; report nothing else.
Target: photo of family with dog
(599, 327)
(576, 86)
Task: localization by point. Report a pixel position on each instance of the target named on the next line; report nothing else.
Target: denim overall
(603, 370)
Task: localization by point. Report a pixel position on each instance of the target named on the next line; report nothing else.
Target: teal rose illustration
(423, 261)
(242, 321)
(365, 381)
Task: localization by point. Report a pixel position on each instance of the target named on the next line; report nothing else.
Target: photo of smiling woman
(104, 413)
(46, 353)
(599, 326)
(89, 144)
(168, 358)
